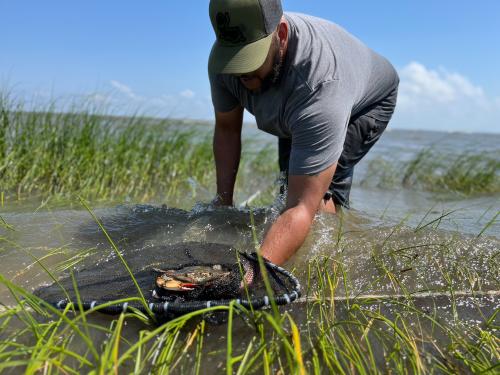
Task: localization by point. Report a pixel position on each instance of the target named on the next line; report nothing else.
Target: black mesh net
(174, 279)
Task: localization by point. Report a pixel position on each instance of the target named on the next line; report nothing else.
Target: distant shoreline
(205, 122)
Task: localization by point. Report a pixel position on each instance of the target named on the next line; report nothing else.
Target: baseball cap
(243, 29)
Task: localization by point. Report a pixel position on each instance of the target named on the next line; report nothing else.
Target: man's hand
(288, 232)
(219, 201)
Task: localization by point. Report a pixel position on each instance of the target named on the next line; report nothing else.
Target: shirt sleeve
(318, 124)
(222, 99)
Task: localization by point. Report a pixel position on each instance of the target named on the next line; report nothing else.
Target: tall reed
(110, 158)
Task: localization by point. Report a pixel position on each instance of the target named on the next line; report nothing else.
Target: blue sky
(151, 56)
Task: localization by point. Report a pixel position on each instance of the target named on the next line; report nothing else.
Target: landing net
(101, 284)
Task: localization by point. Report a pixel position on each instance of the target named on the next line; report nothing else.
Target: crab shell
(189, 278)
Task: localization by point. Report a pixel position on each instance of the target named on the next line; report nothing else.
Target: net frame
(168, 308)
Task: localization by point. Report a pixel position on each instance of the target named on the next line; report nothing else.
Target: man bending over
(322, 92)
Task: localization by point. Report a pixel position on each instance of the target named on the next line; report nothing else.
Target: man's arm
(227, 152)
(289, 231)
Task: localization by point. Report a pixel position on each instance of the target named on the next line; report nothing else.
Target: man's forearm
(289, 231)
(287, 234)
(227, 152)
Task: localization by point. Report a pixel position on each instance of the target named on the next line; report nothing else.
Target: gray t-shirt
(328, 76)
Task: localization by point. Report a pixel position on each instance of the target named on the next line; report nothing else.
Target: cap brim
(240, 59)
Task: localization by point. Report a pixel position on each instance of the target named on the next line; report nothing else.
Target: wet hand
(220, 201)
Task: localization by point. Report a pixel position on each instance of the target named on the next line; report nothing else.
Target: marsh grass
(465, 174)
(338, 328)
(362, 336)
(106, 158)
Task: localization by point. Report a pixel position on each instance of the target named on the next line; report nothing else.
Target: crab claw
(187, 286)
(169, 283)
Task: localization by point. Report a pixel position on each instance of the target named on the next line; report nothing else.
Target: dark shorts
(363, 131)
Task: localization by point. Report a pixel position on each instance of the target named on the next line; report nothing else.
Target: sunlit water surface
(431, 242)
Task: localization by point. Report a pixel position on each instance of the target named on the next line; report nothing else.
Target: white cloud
(419, 82)
(416, 80)
(187, 94)
(123, 100)
(163, 100)
(430, 99)
(463, 85)
(443, 100)
(124, 89)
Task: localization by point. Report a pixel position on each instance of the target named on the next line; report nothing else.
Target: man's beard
(277, 68)
(274, 77)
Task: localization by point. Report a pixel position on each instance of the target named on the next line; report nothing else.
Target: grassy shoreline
(466, 174)
(107, 158)
(103, 158)
(62, 155)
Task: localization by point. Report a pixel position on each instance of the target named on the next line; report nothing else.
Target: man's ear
(283, 33)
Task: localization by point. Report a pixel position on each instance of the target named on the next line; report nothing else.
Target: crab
(201, 281)
(189, 278)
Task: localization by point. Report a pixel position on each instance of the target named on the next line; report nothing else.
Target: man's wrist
(224, 199)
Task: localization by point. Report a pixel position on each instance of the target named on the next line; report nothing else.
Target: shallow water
(446, 220)
(395, 241)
